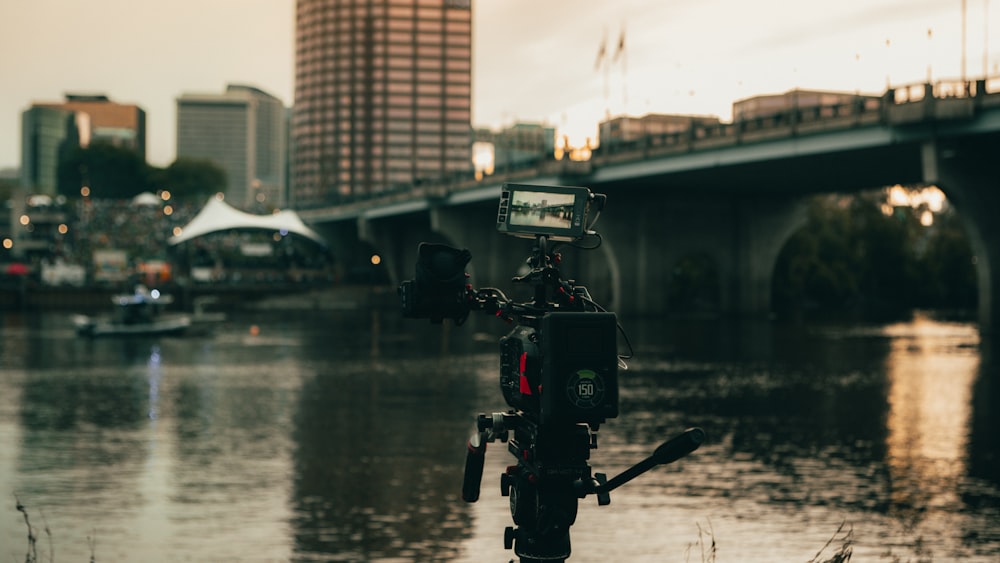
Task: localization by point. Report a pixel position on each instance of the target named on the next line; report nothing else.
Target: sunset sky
(533, 60)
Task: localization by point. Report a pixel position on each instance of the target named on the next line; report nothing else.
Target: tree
(816, 268)
(886, 264)
(113, 172)
(109, 171)
(853, 257)
(948, 265)
(7, 188)
(192, 178)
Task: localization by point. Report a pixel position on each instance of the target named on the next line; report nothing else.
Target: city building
(770, 104)
(46, 133)
(244, 131)
(625, 128)
(49, 130)
(383, 96)
(518, 145)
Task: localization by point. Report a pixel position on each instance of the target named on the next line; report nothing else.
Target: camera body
(564, 373)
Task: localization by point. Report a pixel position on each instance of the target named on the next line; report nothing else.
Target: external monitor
(557, 212)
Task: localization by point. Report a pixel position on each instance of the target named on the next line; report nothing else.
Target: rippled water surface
(339, 436)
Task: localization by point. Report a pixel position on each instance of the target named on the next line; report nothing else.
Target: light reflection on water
(309, 441)
(930, 386)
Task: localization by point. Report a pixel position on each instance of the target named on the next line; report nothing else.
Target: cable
(574, 244)
(621, 329)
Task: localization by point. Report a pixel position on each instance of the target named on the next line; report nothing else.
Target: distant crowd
(69, 236)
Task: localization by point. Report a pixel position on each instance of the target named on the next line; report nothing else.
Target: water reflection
(377, 445)
(859, 420)
(930, 376)
(339, 437)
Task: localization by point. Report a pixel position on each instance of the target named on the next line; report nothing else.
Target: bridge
(732, 191)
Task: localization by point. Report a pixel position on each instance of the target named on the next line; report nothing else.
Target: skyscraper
(244, 132)
(383, 92)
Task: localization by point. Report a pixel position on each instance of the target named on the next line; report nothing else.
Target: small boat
(139, 313)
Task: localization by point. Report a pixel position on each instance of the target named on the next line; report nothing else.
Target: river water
(339, 436)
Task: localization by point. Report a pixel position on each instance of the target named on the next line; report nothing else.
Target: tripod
(550, 476)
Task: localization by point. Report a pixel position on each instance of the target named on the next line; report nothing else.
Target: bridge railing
(861, 111)
(945, 99)
(904, 104)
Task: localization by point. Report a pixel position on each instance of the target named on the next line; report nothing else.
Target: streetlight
(930, 53)
(857, 59)
(964, 18)
(888, 64)
(986, 38)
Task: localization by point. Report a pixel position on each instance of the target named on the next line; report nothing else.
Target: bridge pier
(350, 253)
(761, 228)
(965, 170)
(395, 239)
(645, 240)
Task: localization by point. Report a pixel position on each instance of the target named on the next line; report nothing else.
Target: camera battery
(579, 367)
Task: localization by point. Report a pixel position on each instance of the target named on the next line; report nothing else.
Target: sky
(533, 60)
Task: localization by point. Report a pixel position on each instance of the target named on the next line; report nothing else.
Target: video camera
(558, 367)
(580, 353)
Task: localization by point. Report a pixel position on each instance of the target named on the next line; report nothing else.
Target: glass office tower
(383, 92)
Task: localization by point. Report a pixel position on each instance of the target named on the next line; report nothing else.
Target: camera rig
(558, 368)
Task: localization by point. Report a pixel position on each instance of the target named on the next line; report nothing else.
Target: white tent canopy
(146, 199)
(217, 215)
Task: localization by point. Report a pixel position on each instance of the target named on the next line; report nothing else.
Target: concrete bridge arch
(966, 171)
(741, 236)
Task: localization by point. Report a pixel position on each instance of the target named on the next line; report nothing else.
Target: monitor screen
(555, 211)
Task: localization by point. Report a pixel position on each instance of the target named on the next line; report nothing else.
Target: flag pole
(602, 54)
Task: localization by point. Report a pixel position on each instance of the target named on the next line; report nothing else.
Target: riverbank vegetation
(876, 255)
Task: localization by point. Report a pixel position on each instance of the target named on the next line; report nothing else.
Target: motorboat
(139, 313)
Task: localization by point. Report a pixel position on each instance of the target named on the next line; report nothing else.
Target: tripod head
(558, 368)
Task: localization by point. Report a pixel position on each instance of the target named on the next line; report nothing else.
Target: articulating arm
(668, 452)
